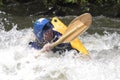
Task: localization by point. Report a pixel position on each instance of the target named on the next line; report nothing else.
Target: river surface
(18, 60)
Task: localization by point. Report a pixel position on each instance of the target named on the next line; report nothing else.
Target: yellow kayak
(76, 43)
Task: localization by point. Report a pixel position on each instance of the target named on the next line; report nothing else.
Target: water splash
(18, 62)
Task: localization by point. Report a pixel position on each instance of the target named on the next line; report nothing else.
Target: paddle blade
(84, 18)
(58, 25)
(79, 25)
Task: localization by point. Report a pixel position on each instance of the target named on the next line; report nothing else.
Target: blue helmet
(38, 27)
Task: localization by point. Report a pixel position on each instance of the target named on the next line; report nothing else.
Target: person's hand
(47, 47)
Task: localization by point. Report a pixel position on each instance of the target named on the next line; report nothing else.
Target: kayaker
(43, 30)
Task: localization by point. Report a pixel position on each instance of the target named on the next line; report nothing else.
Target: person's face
(48, 35)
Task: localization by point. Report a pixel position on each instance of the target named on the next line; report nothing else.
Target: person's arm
(47, 46)
(62, 46)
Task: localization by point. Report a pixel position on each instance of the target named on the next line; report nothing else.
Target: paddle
(59, 26)
(75, 28)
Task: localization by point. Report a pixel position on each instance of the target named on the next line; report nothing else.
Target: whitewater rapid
(18, 62)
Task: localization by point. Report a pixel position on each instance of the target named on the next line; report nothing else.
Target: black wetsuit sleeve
(63, 46)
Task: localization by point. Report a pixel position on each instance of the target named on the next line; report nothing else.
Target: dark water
(99, 24)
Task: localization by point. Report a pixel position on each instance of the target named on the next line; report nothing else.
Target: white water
(18, 62)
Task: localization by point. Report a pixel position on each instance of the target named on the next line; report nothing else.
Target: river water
(18, 60)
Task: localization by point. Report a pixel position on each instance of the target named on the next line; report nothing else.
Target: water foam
(18, 62)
